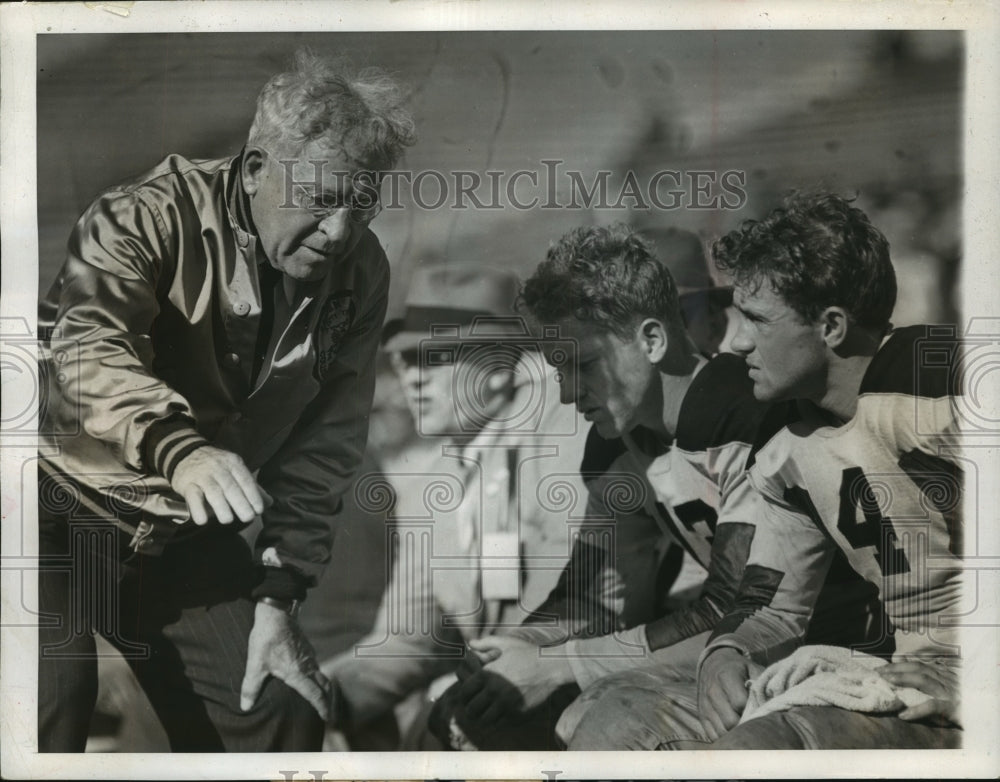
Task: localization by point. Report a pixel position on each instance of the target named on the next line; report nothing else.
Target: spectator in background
(224, 317)
(479, 544)
(703, 304)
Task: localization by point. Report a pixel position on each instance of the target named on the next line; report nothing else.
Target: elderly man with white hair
(224, 315)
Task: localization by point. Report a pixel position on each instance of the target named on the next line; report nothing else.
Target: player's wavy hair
(816, 251)
(607, 276)
(360, 112)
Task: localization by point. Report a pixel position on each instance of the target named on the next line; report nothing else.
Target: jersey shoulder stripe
(599, 454)
(719, 406)
(915, 361)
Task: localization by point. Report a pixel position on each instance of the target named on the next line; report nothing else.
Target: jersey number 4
(872, 528)
(940, 483)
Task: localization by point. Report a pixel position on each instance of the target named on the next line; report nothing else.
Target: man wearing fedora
(703, 303)
(486, 530)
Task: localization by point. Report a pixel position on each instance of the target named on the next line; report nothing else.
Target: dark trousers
(182, 621)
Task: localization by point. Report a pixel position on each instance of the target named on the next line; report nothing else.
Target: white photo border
(18, 154)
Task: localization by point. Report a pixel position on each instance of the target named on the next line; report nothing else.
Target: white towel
(827, 676)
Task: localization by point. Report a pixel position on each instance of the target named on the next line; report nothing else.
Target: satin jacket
(149, 341)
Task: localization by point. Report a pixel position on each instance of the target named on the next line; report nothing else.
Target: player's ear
(834, 322)
(252, 169)
(654, 340)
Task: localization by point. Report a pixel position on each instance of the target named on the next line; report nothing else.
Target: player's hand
(278, 648)
(516, 678)
(216, 482)
(940, 681)
(473, 662)
(722, 690)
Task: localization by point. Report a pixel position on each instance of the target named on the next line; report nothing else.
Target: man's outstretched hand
(278, 648)
(216, 482)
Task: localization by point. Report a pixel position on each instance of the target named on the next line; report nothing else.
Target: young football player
(873, 464)
(683, 422)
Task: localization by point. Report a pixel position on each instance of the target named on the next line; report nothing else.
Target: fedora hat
(684, 256)
(460, 300)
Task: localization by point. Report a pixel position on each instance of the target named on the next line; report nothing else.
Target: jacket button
(241, 308)
(231, 360)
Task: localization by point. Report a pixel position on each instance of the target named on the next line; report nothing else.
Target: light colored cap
(461, 300)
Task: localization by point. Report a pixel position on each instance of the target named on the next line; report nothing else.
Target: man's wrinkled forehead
(325, 168)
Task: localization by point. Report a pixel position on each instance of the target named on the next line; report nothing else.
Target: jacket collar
(238, 203)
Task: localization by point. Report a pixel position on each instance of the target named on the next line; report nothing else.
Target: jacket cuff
(281, 583)
(167, 442)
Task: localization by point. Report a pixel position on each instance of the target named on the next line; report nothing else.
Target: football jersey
(884, 489)
(701, 483)
(696, 489)
(620, 556)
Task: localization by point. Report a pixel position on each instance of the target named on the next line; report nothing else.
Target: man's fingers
(907, 666)
(721, 716)
(720, 719)
(908, 679)
(235, 500)
(220, 479)
(220, 506)
(708, 725)
(224, 501)
(239, 502)
(927, 708)
(488, 648)
(253, 680)
(249, 490)
(930, 682)
(712, 724)
(196, 504)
